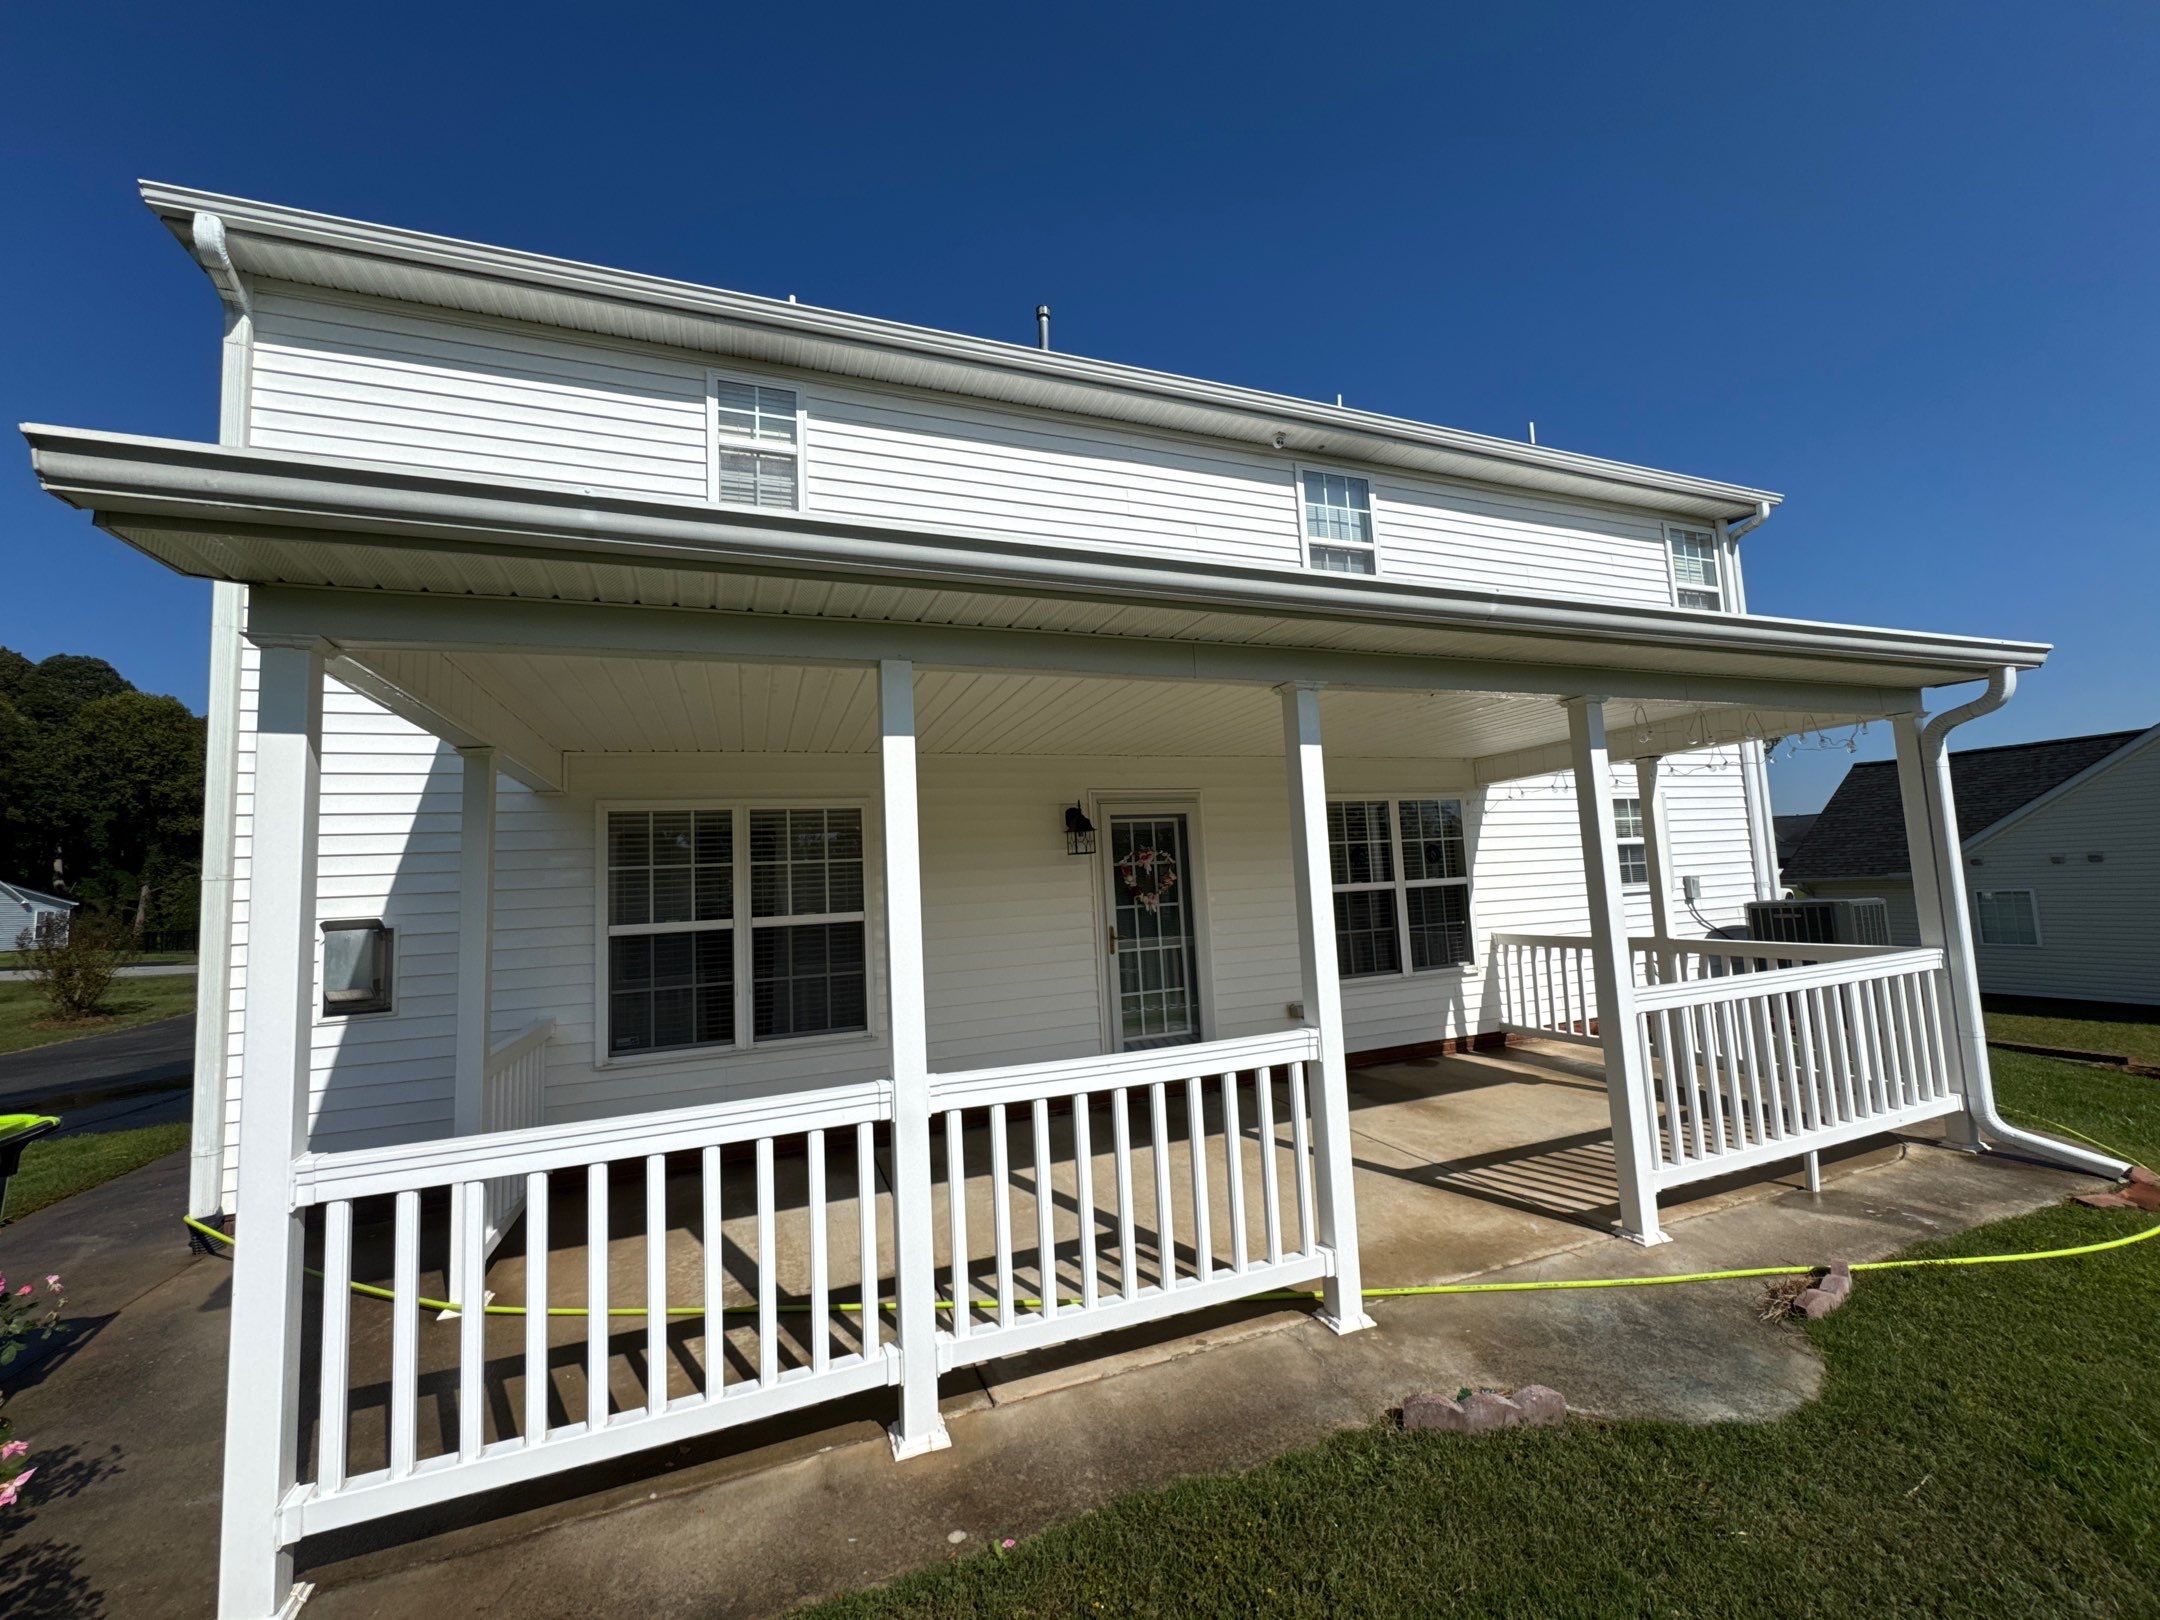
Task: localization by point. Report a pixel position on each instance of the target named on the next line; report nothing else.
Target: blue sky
(1896, 262)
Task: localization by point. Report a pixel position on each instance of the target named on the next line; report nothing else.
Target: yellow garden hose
(1416, 1291)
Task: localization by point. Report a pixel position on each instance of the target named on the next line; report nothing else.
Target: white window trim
(1718, 554)
(1402, 885)
(742, 925)
(716, 441)
(1298, 470)
(1622, 842)
(2032, 903)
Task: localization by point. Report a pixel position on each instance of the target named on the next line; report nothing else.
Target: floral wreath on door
(1148, 875)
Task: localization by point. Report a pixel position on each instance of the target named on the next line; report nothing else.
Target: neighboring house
(1788, 831)
(32, 911)
(2062, 850)
(694, 755)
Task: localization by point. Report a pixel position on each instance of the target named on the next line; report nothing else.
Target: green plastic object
(18, 1131)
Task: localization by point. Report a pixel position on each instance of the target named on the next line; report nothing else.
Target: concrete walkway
(1495, 1163)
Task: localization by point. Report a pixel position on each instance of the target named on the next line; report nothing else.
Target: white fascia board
(230, 488)
(409, 265)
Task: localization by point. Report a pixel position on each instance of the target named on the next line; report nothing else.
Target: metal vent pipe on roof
(1042, 326)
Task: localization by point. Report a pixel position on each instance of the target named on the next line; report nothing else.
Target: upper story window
(757, 431)
(1338, 523)
(1628, 834)
(1696, 580)
(1401, 872)
(2007, 916)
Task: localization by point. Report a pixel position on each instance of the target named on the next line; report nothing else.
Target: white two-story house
(754, 762)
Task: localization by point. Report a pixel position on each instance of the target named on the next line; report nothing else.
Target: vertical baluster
(1270, 1188)
(1796, 1111)
(656, 1317)
(596, 1298)
(1585, 1002)
(1922, 1086)
(1046, 1269)
(1548, 1001)
(1740, 1025)
(536, 1307)
(1838, 1025)
(1001, 1213)
(471, 1269)
(866, 1230)
(405, 1336)
(1756, 1014)
(1165, 1235)
(1820, 1104)
(333, 1417)
(1852, 1019)
(1301, 1168)
(1233, 1133)
(963, 1282)
(1664, 1129)
(1874, 1093)
(1938, 1049)
(1196, 1140)
(1700, 1028)
(1744, 1129)
(820, 1260)
(714, 1260)
(1912, 1062)
(768, 1282)
(1084, 1182)
(1122, 1128)
(1679, 1131)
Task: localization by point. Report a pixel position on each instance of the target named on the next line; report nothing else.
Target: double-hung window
(1401, 873)
(688, 965)
(1338, 523)
(757, 434)
(2007, 916)
(1696, 581)
(1628, 835)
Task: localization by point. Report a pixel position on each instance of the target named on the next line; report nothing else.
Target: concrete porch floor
(1493, 1163)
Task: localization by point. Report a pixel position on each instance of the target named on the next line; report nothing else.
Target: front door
(1152, 936)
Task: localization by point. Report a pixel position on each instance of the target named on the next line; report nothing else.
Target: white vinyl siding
(364, 379)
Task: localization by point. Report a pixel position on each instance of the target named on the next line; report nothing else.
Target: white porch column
(920, 1428)
(262, 1391)
(1320, 982)
(1626, 1078)
(1936, 857)
(476, 935)
(1657, 856)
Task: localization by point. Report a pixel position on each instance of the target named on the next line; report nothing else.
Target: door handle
(1110, 942)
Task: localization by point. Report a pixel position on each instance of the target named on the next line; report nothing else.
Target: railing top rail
(1579, 942)
(1784, 950)
(1779, 981)
(1065, 1077)
(512, 1047)
(443, 1161)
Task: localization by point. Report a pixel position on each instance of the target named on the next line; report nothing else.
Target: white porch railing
(1206, 1194)
(1234, 1115)
(513, 1097)
(1772, 1063)
(1753, 1050)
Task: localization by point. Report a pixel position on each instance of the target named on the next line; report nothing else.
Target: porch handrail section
(513, 1096)
(1756, 1066)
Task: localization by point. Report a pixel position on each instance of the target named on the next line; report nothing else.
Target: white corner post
(1657, 857)
(1627, 1079)
(920, 1427)
(1320, 985)
(475, 957)
(262, 1387)
(213, 936)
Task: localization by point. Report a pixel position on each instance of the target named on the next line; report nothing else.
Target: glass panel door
(1151, 919)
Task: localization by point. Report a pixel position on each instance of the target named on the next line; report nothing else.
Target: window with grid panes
(670, 929)
(1338, 523)
(1695, 568)
(1628, 835)
(1401, 874)
(808, 969)
(760, 458)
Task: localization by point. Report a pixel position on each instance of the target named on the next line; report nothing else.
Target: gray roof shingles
(1861, 831)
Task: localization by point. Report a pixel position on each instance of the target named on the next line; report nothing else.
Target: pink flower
(24, 1289)
(14, 1448)
(1009, 1542)
(52, 1281)
(13, 1488)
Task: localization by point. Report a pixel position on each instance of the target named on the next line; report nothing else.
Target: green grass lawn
(24, 1021)
(62, 1166)
(2138, 1041)
(1984, 1445)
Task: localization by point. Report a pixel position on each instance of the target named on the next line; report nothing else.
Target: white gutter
(1957, 936)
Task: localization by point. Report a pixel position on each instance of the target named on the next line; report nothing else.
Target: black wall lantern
(1079, 832)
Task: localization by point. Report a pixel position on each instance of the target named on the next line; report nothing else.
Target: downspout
(1957, 937)
(1754, 759)
(221, 754)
